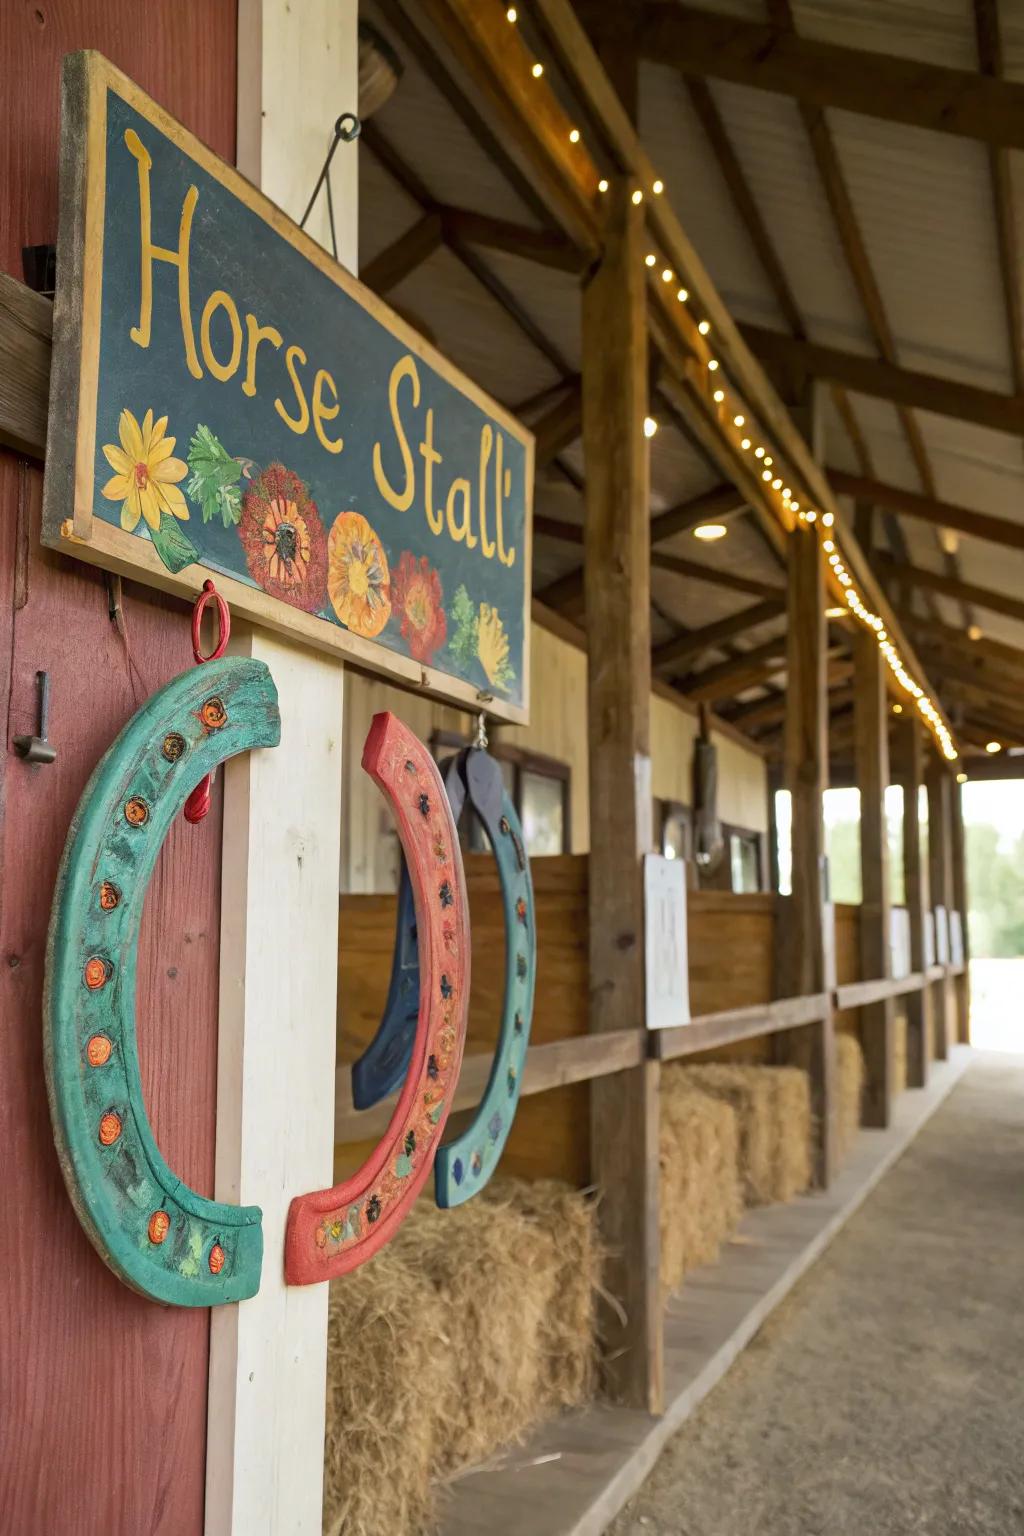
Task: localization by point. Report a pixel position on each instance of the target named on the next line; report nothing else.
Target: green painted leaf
(214, 485)
(173, 544)
(465, 626)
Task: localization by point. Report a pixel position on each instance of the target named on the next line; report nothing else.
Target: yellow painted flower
(492, 647)
(145, 479)
(358, 578)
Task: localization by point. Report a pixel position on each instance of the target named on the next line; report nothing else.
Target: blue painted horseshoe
(463, 1167)
(155, 1233)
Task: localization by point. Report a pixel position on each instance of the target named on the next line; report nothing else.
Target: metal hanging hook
(347, 128)
(480, 738)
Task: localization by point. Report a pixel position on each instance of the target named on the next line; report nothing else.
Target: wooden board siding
(847, 960)
(105, 1392)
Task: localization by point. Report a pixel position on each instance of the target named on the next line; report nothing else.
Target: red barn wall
(104, 1393)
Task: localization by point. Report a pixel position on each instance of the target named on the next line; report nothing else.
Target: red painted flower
(417, 597)
(284, 540)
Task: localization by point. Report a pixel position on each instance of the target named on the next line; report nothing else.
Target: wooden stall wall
(104, 1392)
(847, 960)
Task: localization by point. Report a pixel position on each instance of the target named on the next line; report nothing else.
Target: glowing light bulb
(993, 746)
(766, 474)
(759, 452)
(828, 546)
(745, 443)
(650, 259)
(682, 295)
(738, 421)
(897, 709)
(712, 364)
(658, 187)
(719, 396)
(537, 71)
(650, 426)
(961, 778)
(667, 275)
(512, 14)
(768, 458)
(710, 531)
(638, 198)
(974, 632)
(812, 515)
(602, 185)
(704, 327)
(776, 484)
(828, 518)
(574, 136)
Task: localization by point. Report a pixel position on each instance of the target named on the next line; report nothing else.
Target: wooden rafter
(997, 530)
(544, 246)
(404, 255)
(961, 591)
(711, 636)
(990, 61)
(886, 381)
(701, 43)
(721, 501)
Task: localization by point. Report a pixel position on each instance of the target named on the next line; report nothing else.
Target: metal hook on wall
(346, 130)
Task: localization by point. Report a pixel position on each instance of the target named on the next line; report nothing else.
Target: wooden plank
(710, 636)
(945, 514)
(990, 60)
(967, 592)
(863, 994)
(960, 102)
(802, 942)
(940, 892)
(624, 1113)
(544, 246)
(732, 581)
(708, 1031)
(558, 427)
(26, 326)
(887, 381)
(909, 760)
(709, 507)
(958, 856)
(871, 758)
(578, 1059)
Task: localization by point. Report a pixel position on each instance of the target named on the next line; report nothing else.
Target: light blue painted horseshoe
(155, 1233)
(463, 1167)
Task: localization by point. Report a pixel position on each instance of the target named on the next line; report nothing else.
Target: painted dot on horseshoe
(213, 714)
(110, 896)
(110, 1128)
(97, 972)
(136, 811)
(174, 746)
(216, 1260)
(159, 1226)
(97, 1050)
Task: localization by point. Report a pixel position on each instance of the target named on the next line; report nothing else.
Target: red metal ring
(223, 616)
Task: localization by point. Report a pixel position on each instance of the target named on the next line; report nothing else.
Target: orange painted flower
(358, 579)
(417, 597)
(97, 1050)
(110, 1128)
(145, 479)
(284, 539)
(217, 1257)
(159, 1226)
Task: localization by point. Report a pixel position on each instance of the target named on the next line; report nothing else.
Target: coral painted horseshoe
(335, 1230)
(464, 1166)
(154, 1232)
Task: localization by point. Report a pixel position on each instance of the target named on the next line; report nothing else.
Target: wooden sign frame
(72, 492)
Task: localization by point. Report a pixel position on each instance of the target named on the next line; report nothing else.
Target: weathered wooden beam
(958, 857)
(624, 1110)
(770, 652)
(990, 61)
(544, 246)
(948, 586)
(909, 768)
(703, 44)
(1002, 657)
(26, 325)
(945, 514)
(885, 381)
(803, 942)
(732, 581)
(404, 255)
(871, 757)
(693, 641)
(558, 427)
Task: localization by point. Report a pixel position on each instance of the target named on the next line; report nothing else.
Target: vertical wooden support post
(624, 1107)
(804, 947)
(871, 756)
(279, 905)
(940, 891)
(961, 983)
(910, 768)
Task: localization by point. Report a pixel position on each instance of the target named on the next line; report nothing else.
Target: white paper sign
(668, 980)
(899, 941)
(941, 936)
(956, 939)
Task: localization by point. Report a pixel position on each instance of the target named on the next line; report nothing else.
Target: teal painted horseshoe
(154, 1232)
(464, 1165)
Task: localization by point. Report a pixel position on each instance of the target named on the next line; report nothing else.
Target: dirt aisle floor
(886, 1395)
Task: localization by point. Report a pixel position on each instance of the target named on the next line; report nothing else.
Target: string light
(776, 483)
(828, 518)
(745, 444)
(961, 778)
(766, 474)
(602, 185)
(574, 136)
(712, 364)
(704, 327)
(897, 709)
(650, 426)
(682, 295)
(993, 746)
(638, 198)
(512, 15)
(537, 71)
(768, 460)
(667, 275)
(759, 452)
(658, 188)
(738, 421)
(718, 396)
(650, 259)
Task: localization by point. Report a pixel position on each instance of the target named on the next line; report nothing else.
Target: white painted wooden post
(279, 917)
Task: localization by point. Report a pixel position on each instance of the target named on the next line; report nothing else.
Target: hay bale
(700, 1195)
(849, 1087)
(751, 1093)
(469, 1328)
(792, 1129)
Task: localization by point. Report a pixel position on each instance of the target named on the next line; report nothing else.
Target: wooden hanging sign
(225, 399)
